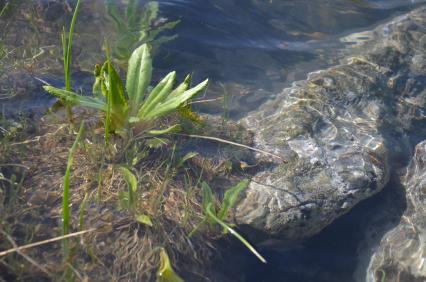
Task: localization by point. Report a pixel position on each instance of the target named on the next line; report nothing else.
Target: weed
(66, 199)
(137, 108)
(166, 273)
(229, 200)
(67, 54)
(136, 26)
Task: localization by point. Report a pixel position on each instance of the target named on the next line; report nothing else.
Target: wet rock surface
(401, 253)
(341, 132)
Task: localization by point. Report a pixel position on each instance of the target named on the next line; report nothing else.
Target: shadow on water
(333, 254)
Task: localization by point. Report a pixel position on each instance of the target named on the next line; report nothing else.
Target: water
(250, 49)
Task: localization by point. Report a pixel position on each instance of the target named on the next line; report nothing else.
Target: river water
(250, 50)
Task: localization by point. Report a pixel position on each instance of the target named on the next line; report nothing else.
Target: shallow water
(250, 49)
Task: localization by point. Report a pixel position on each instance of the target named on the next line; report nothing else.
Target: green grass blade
(230, 198)
(68, 54)
(211, 214)
(75, 99)
(138, 76)
(66, 214)
(174, 103)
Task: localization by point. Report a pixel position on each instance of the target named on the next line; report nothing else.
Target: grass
(136, 167)
(66, 214)
(67, 58)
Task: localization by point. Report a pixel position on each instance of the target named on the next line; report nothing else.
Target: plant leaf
(118, 102)
(144, 219)
(211, 213)
(158, 94)
(138, 76)
(166, 273)
(231, 197)
(132, 183)
(172, 104)
(188, 156)
(172, 129)
(74, 98)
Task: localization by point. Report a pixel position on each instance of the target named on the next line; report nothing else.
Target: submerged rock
(338, 131)
(401, 255)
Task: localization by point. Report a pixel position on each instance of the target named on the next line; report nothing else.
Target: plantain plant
(136, 104)
(135, 26)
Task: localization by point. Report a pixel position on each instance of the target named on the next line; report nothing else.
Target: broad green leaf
(172, 129)
(138, 76)
(181, 88)
(172, 104)
(166, 273)
(118, 103)
(158, 94)
(208, 200)
(211, 213)
(132, 184)
(231, 197)
(188, 156)
(144, 219)
(74, 98)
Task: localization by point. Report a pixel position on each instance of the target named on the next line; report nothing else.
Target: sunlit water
(250, 50)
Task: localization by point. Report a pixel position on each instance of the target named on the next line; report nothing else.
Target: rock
(402, 251)
(338, 131)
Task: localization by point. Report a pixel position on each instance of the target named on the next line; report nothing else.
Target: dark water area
(250, 50)
(255, 48)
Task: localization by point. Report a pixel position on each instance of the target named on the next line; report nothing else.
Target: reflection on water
(262, 46)
(250, 49)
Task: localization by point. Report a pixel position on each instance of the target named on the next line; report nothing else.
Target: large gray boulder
(337, 130)
(401, 254)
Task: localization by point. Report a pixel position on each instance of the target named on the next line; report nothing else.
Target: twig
(26, 256)
(233, 143)
(32, 245)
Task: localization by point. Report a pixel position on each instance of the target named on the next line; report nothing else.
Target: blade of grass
(211, 214)
(66, 194)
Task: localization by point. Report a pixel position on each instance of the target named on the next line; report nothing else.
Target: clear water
(250, 49)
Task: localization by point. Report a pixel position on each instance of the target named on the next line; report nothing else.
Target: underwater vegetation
(134, 113)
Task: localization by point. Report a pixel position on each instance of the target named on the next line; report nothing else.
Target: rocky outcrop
(401, 255)
(337, 131)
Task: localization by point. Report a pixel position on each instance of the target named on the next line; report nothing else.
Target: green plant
(67, 54)
(66, 214)
(137, 108)
(128, 201)
(165, 272)
(136, 26)
(214, 217)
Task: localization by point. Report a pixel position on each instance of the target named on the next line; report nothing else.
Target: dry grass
(121, 249)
